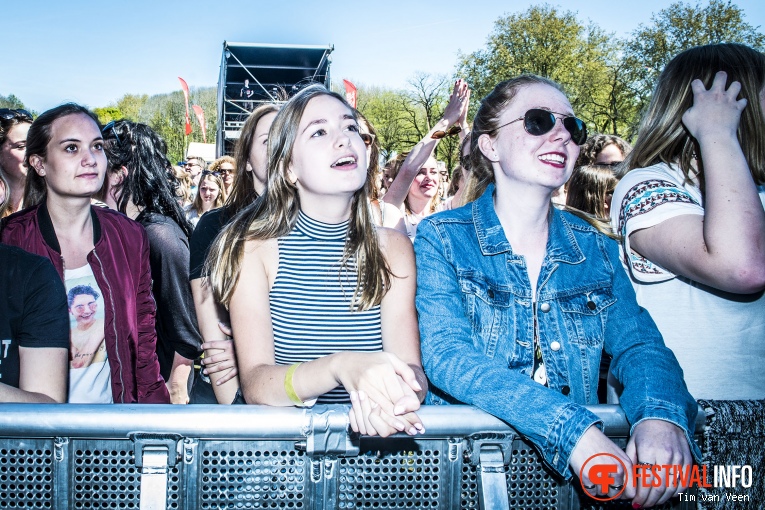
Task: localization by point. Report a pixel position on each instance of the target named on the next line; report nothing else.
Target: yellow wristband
(289, 388)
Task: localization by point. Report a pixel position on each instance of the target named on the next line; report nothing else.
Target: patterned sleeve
(644, 198)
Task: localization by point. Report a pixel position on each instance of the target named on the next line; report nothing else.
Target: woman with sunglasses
(691, 211)
(140, 183)
(14, 125)
(517, 299)
(416, 178)
(225, 168)
(101, 255)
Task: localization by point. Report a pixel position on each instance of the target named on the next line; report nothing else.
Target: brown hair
(595, 145)
(275, 213)
(588, 187)
(243, 188)
(662, 138)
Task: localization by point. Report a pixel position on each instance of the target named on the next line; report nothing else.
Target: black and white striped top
(311, 297)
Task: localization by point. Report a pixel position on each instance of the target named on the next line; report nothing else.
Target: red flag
(201, 118)
(350, 92)
(185, 88)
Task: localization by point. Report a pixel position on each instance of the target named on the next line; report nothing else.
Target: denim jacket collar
(561, 244)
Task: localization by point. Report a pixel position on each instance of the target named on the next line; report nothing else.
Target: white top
(718, 337)
(90, 380)
(192, 215)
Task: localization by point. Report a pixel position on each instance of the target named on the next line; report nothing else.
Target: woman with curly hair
(225, 168)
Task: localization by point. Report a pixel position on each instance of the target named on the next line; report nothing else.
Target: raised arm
(455, 110)
(724, 248)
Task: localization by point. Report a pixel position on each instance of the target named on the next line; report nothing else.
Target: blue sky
(95, 52)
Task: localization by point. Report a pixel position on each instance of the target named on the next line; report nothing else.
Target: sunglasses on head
(538, 122)
(367, 138)
(110, 127)
(11, 113)
(437, 135)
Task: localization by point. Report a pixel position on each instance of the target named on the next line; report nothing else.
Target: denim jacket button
(565, 390)
(545, 307)
(591, 305)
(555, 346)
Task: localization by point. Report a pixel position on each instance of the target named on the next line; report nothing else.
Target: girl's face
(610, 155)
(76, 163)
(208, 191)
(328, 157)
(518, 157)
(13, 150)
(426, 182)
(258, 158)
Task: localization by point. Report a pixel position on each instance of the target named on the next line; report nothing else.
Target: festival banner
(350, 92)
(185, 88)
(200, 113)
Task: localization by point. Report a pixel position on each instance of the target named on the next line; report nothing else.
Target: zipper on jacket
(114, 323)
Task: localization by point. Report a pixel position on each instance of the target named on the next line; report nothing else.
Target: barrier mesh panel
(26, 473)
(252, 474)
(391, 474)
(105, 476)
(529, 485)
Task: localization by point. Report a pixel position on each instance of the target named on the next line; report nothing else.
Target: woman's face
(328, 157)
(208, 191)
(76, 163)
(426, 182)
(226, 172)
(610, 155)
(520, 158)
(12, 152)
(258, 159)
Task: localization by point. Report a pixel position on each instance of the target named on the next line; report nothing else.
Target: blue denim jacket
(477, 330)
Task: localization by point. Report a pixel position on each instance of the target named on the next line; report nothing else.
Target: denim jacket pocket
(489, 308)
(585, 315)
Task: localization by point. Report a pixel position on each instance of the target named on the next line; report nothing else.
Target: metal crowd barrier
(210, 457)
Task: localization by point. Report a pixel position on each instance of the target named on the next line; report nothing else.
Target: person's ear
(36, 162)
(487, 147)
(289, 175)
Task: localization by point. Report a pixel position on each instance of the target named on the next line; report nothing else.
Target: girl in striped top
(321, 301)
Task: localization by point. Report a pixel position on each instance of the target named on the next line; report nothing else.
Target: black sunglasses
(10, 113)
(110, 127)
(538, 122)
(367, 138)
(437, 135)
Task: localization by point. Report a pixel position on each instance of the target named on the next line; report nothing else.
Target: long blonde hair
(662, 138)
(275, 213)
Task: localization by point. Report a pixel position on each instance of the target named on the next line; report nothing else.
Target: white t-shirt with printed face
(718, 337)
(89, 373)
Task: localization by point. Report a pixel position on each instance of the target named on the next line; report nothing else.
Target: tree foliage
(679, 27)
(11, 101)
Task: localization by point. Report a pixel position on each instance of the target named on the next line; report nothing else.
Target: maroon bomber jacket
(120, 263)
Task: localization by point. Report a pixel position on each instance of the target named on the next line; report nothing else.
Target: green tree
(108, 114)
(382, 108)
(11, 101)
(554, 44)
(679, 27)
(131, 104)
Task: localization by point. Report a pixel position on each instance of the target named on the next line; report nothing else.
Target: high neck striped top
(311, 296)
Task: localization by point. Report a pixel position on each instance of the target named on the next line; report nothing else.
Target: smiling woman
(98, 253)
(321, 302)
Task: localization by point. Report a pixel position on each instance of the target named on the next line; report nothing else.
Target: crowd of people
(548, 271)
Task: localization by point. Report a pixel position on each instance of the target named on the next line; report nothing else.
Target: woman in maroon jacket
(102, 256)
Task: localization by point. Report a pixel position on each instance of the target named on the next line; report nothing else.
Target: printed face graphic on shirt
(84, 308)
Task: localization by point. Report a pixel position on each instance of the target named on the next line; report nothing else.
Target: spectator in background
(184, 195)
(590, 189)
(139, 183)
(249, 182)
(690, 211)
(91, 246)
(225, 168)
(14, 125)
(385, 214)
(607, 150)
(210, 195)
(416, 179)
(195, 165)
